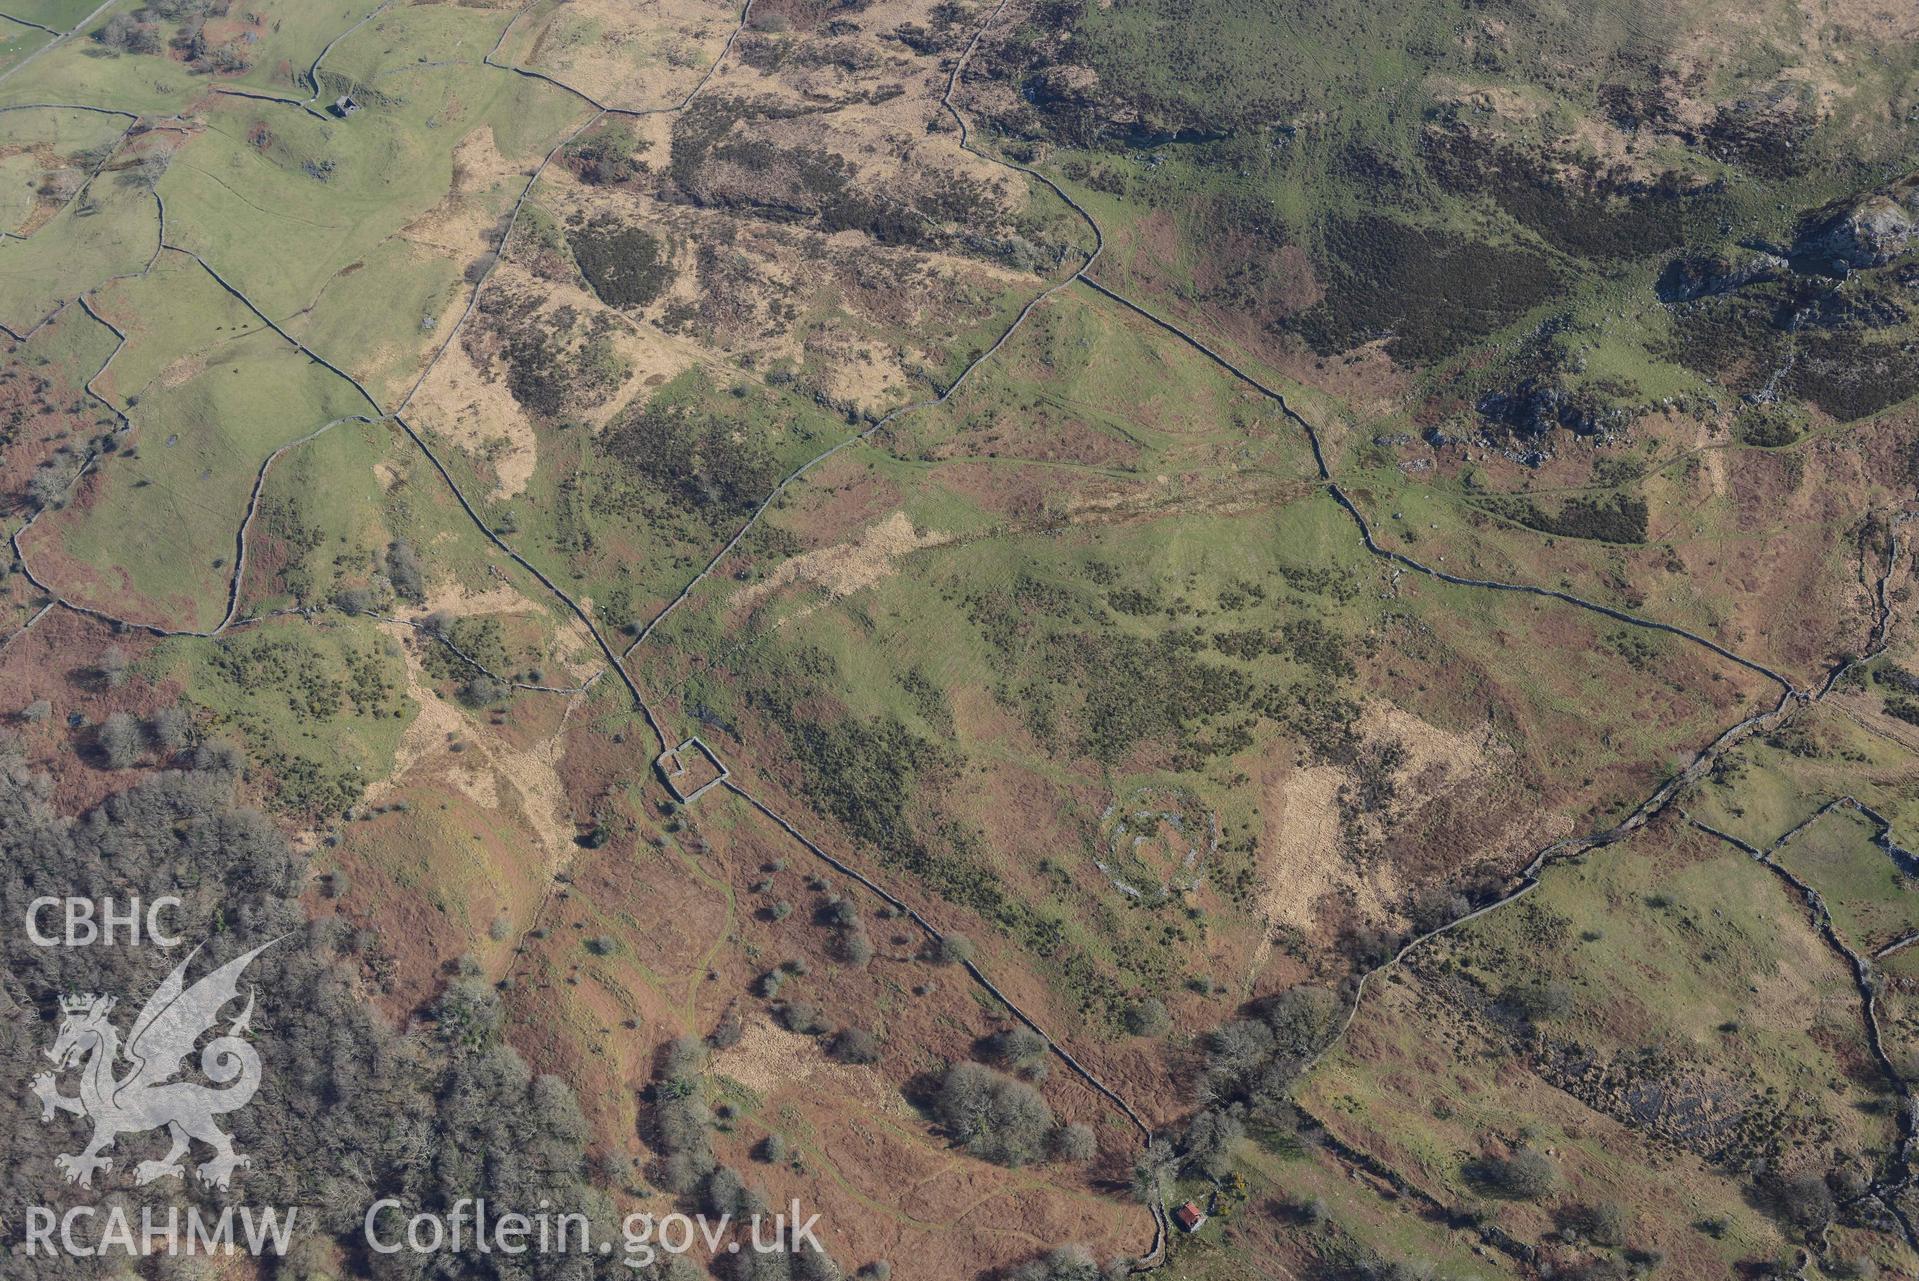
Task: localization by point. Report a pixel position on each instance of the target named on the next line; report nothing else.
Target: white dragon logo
(147, 1097)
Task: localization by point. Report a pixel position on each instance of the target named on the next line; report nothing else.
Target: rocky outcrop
(1535, 407)
(1701, 275)
(1866, 233)
(1855, 235)
(1065, 85)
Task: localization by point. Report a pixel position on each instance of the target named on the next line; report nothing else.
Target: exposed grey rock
(1534, 408)
(1867, 233)
(1701, 275)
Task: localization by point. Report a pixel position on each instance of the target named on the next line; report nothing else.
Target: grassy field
(1700, 1016)
(1084, 661)
(1772, 785)
(17, 43)
(383, 316)
(160, 520)
(1100, 573)
(282, 40)
(44, 385)
(330, 513)
(61, 15)
(47, 153)
(266, 48)
(173, 316)
(255, 185)
(1082, 388)
(319, 709)
(623, 60)
(1424, 215)
(112, 230)
(1871, 898)
(615, 518)
(77, 72)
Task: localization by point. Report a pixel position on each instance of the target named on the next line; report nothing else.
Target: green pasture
(163, 520)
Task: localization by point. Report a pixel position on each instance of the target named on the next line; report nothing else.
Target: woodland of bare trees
(349, 1110)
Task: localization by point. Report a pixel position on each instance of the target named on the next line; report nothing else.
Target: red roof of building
(1189, 1216)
